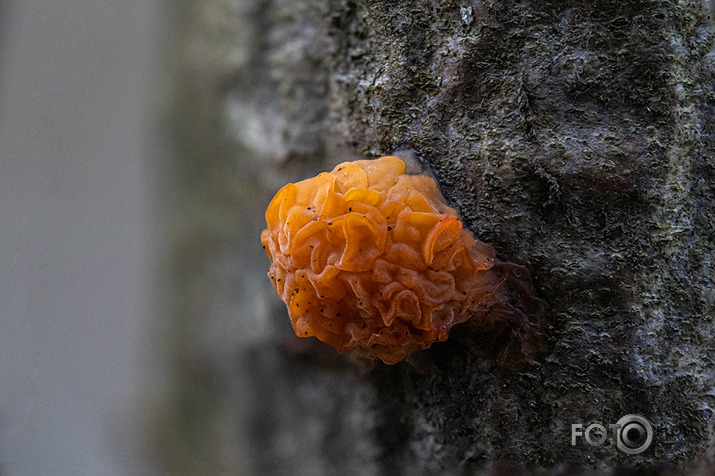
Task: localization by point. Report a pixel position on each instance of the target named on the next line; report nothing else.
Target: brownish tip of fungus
(369, 258)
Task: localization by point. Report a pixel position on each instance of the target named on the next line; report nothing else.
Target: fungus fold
(367, 257)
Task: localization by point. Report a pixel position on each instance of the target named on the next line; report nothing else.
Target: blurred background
(80, 102)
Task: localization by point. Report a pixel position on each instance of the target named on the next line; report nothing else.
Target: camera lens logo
(634, 434)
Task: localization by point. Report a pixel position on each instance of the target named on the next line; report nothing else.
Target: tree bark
(576, 137)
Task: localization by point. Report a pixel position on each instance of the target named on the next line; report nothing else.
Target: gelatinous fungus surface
(367, 257)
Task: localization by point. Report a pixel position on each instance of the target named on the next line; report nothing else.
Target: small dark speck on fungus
(398, 292)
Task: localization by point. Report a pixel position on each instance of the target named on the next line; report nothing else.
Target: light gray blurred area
(77, 79)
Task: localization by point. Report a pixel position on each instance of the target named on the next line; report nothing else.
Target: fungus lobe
(367, 257)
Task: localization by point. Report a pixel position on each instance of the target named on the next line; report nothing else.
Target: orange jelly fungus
(369, 258)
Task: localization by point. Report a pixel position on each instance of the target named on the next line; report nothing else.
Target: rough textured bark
(576, 137)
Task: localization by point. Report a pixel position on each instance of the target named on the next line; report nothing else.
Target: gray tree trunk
(576, 137)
